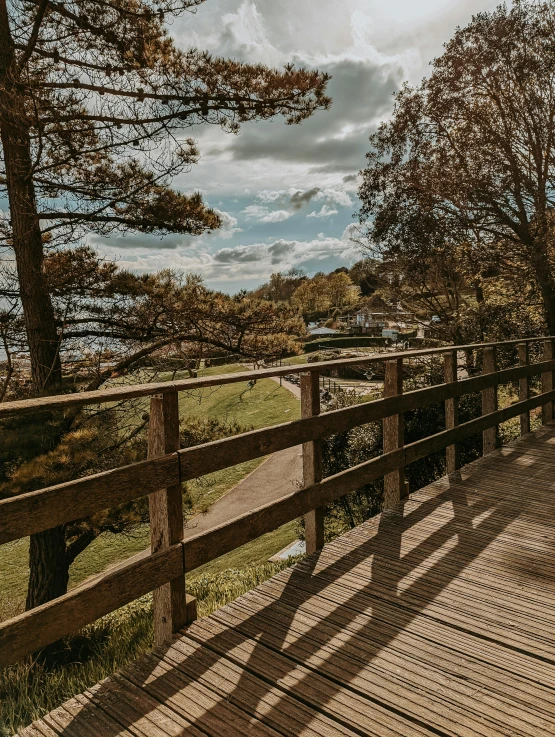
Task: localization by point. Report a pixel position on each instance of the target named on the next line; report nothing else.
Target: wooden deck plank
(316, 644)
(300, 662)
(424, 644)
(374, 639)
(254, 695)
(439, 621)
(463, 643)
(343, 704)
(134, 710)
(165, 688)
(492, 625)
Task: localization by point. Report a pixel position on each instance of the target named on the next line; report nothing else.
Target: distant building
(367, 321)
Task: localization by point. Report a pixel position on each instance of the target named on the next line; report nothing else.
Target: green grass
(265, 404)
(294, 360)
(255, 553)
(205, 491)
(29, 690)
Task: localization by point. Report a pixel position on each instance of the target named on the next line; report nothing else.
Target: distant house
(373, 323)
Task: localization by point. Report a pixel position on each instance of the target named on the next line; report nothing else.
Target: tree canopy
(94, 99)
(468, 158)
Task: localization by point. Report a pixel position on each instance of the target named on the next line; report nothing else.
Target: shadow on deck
(439, 621)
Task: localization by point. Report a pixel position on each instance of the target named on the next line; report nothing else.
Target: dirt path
(293, 388)
(280, 474)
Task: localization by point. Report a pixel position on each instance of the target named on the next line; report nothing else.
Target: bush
(350, 448)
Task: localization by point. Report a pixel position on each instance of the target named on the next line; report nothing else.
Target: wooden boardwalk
(439, 621)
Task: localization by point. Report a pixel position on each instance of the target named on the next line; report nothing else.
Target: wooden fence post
(523, 387)
(547, 382)
(393, 435)
(166, 517)
(312, 460)
(489, 402)
(451, 411)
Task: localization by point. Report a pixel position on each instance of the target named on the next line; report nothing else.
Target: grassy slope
(265, 404)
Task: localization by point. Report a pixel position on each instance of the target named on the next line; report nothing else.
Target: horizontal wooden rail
(46, 508)
(40, 510)
(206, 546)
(93, 599)
(122, 393)
(134, 578)
(207, 458)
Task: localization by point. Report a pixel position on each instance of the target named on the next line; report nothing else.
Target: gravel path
(280, 474)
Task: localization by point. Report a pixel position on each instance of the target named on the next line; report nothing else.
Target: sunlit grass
(30, 690)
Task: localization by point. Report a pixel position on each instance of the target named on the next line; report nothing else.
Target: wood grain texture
(439, 621)
(451, 411)
(43, 509)
(489, 402)
(210, 457)
(116, 394)
(312, 460)
(82, 605)
(547, 381)
(524, 387)
(207, 546)
(166, 517)
(393, 434)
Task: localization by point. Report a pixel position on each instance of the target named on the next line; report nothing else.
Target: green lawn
(265, 404)
(295, 359)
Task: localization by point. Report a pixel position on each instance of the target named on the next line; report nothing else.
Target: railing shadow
(305, 642)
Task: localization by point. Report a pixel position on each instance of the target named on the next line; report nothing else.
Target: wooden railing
(162, 569)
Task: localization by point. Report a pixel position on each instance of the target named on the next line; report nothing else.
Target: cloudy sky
(287, 194)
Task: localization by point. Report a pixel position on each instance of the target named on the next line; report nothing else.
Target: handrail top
(63, 401)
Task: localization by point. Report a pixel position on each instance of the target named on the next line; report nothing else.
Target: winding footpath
(279, 475)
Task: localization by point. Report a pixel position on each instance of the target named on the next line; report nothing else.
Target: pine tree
(93, 97)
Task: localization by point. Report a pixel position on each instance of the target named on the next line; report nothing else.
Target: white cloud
(325, 212)
(229, 224)
(276, 216)
(369, 47)
(335, 197)
(262, 214)
(268, 196)
(240, 254)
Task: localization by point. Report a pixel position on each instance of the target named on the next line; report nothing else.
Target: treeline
(322, 294)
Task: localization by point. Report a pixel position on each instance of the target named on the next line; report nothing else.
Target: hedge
(351, 341)
(356, 341)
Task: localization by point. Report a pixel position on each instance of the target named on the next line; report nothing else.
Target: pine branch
(33, 39)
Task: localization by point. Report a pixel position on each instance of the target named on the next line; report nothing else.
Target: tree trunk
(548, 298)
(47, 556)
(38, 313)
(49, 567)
(540, 262)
